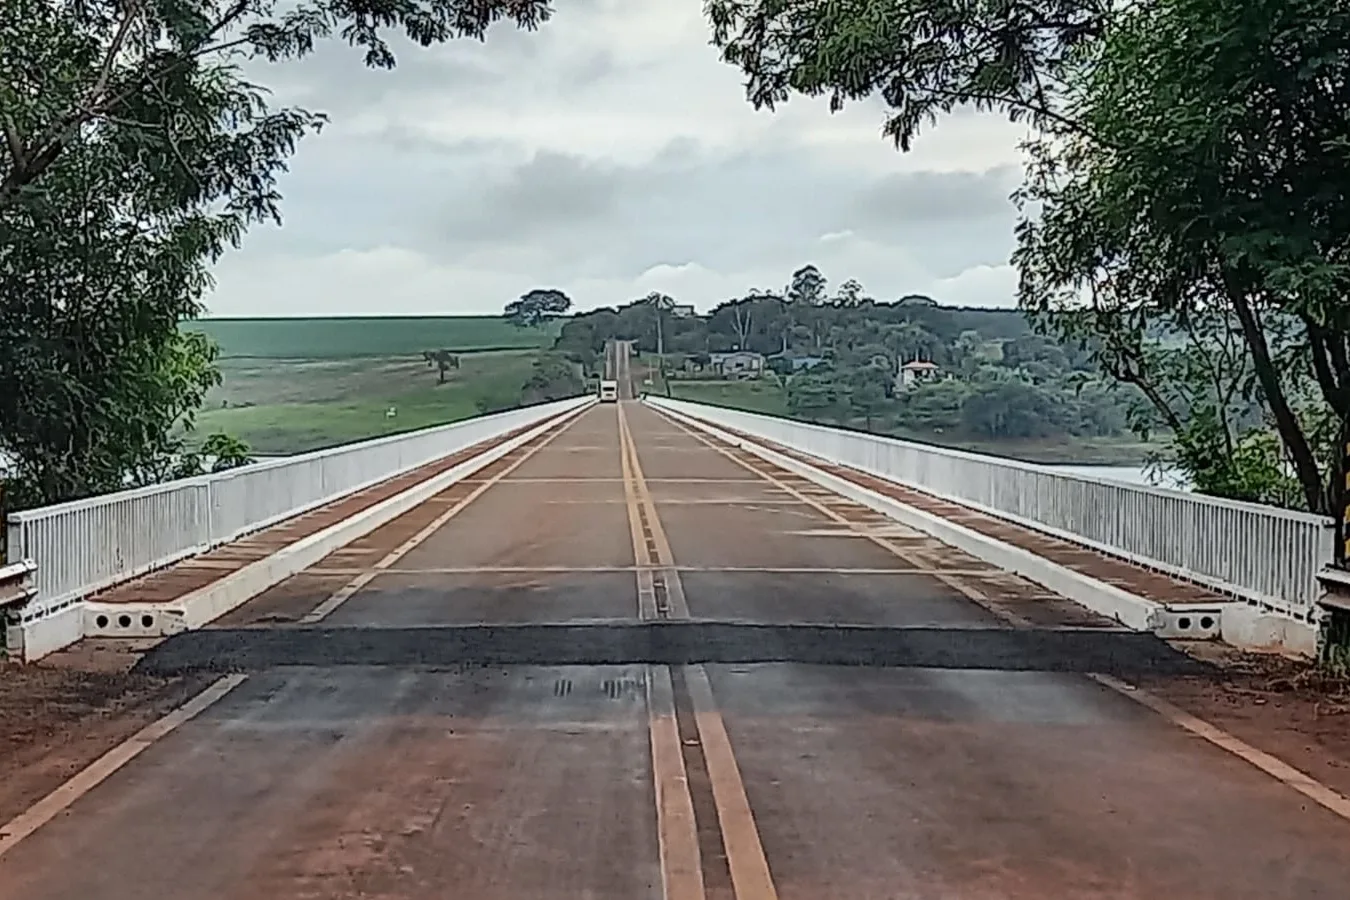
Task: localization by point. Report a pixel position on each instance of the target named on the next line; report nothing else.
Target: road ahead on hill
(423, 778)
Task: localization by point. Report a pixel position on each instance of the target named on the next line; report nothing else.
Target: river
(1131, 474)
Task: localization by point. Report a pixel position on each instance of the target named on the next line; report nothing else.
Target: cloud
(610, 153)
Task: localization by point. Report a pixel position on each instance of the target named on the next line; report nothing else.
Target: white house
(737, 362)
(913, 372)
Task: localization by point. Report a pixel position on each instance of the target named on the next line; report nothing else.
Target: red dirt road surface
(675, 778)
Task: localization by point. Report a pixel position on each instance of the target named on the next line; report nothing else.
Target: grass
(286, 406)
(761, 395)
(368, 337)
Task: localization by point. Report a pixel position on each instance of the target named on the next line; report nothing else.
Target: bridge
(657, 649)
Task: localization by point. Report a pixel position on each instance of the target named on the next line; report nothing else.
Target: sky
(609, 154)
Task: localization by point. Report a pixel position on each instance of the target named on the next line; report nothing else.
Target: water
(1130, 474)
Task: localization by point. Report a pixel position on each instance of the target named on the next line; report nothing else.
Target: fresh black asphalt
(670, 643)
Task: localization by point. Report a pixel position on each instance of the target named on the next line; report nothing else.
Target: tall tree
(537, 306)
(132, 154)
(1177, 201)
(660, 305)
(66, 68)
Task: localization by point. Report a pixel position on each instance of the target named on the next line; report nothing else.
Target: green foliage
(1206, 189)
(537, 307)
(72, 68)
(219, 452)
(133, 154)
(554, 377)
(922, 57)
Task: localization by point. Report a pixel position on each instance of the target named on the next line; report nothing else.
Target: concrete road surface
(343, 779)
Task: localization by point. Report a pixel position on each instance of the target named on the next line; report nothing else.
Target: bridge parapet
(89, 545)
(1268, 557)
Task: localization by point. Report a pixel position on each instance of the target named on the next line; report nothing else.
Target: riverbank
(764, 396)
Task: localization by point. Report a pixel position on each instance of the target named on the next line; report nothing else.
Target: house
(738, 362)
(682, 310)
(912, 373)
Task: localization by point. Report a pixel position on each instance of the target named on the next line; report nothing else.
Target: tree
(812, 395)
(69, 69)
(807, 287)
(552, 377)
(537, 306)
(133, 154)
(851, 294)
(1175, 200)
(443, 360)
(1008, 408)
(103, 259)
(924, 58)
(867, 390)
(660, 304)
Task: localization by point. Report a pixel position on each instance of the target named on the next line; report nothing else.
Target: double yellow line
(661, 595)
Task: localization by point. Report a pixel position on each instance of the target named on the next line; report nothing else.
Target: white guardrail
(1261, 554)
(87, 545)
(16, 584)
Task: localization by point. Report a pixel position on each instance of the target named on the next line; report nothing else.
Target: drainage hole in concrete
(124, 620)
(1184, 623)
(101, 621)
(1206, 622)
(147, 620)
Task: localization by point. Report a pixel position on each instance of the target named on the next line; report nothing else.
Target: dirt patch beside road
(1282, 706)
(58, 716)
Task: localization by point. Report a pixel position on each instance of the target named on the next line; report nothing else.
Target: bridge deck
(389, 766)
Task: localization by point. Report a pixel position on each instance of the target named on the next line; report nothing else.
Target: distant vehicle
(609, 391)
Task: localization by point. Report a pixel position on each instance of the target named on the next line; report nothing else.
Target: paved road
(633, 781)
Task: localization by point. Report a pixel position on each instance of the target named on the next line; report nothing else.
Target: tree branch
(15, 142)
(114, 48)
(1305, 463)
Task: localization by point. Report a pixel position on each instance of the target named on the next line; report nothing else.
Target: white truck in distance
(609, 391)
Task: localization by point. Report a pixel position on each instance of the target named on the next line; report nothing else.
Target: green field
(368, 336)
(761, 396)
(285, 406)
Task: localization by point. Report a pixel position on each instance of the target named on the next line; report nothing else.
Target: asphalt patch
(669, 643)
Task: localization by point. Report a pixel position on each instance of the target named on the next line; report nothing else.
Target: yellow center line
(750, 875)
(646, 585)
(676, 829)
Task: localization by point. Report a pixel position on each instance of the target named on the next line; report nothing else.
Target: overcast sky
(609, 154)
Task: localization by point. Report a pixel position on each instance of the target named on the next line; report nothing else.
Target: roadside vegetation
(1187, 204)
(979, 379)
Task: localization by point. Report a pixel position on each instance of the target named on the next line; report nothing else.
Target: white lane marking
(1281, 771)
(976, 596)
(98, 771)
(345, 593)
